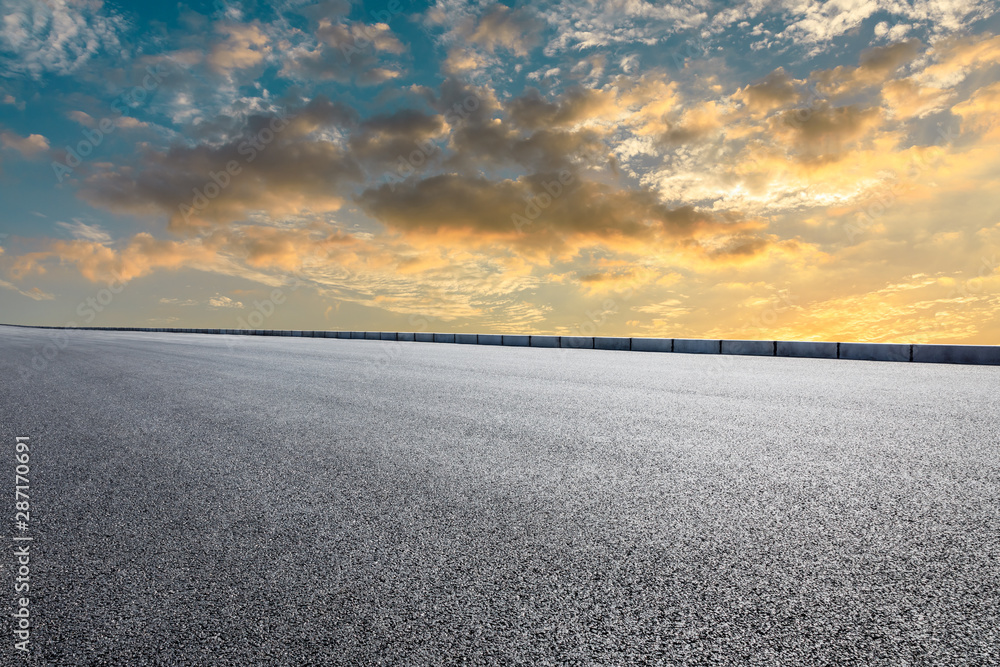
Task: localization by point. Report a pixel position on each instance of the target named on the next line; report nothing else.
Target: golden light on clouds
(488, 167)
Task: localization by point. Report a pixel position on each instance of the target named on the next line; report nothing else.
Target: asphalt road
(206, 500)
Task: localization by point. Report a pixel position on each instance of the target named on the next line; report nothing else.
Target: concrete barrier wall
(577, 342)
(543, 341)
(606, 343)
(520, 341)
(805, 348)
(652, 344)
(901, 352)
(760, 348)
(697, 346)
(875, 351)
(988, 355)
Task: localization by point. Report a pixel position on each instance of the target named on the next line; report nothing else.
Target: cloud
(7, 98)
(57, 36)
(917, 309)
(591, 24)
(695, 124)
(29, 147)
(261, 169)
(461, 60)
(98, 262)
(500, 27)
(817, 22)
(34, 293)
(576, 105)
(219, 301)
(244, 45)
(979, 112)
(262, 253)
(346, 51)
(894, 34)
(824, 130)
(382, 141)
(876, 65)
(81, 230)
(82, 118)
(906, 98)
(775, 90)
(955, 57)
(543, 214)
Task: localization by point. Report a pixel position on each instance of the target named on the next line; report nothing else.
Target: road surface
(211, 500)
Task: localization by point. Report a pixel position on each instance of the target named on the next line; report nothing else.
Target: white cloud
(33, 293)
(590, 24)
(819, 21)
(219, 301)
(178, 302)
(583, 25)
(81, 230)
(56, 36)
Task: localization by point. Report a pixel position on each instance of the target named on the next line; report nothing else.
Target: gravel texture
(214, 500)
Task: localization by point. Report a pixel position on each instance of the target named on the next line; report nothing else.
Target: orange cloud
(29, 147)
(244, 45)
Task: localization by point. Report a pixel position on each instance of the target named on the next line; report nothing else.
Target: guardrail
(920, 353)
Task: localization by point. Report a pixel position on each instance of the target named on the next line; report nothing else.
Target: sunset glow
(785, 170)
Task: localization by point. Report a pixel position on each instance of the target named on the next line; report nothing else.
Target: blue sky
(780, 169)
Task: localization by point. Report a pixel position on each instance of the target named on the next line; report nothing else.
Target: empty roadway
(215, 500)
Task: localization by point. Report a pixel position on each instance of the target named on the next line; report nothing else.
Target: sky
(793, 169)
